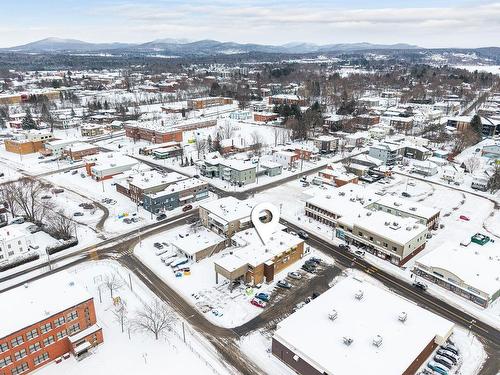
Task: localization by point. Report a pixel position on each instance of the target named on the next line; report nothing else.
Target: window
(48, 340)
(59, 322)
(61, 334)
(5, 361)
(34, 347)
(73, 329)
(45, 328)
(41, 358)
(32, 334)
(72, 316)
(4, 347)
(20, 354)
(20, 369)
(17, 341)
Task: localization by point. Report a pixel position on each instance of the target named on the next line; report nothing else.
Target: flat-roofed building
(226, 215)
(471, 271)
(43, 320)
(359, 328)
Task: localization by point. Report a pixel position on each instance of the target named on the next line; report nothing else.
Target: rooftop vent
(413, 208)
(359, 295)
(377, 341)
(333, 315)
(347, 340)
(408, 229)
(397, 204)
(402, 317)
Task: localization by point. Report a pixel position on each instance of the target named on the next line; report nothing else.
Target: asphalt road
(489, 335)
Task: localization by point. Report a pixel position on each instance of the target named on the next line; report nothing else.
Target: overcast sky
(437, 23)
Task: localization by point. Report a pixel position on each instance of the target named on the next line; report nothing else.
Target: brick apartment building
(152, 134)
(45, 320)
(79, 150)
(202, 103)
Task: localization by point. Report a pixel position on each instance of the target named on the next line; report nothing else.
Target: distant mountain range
(182, 47)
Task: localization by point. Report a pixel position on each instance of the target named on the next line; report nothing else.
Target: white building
(284, 158)
(13, 243)
(359, 328)
(425, 168)
(57, 147)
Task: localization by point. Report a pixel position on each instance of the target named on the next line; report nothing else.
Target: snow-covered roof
(10, 233)
(476, 265)
(38, 300)
(153, 178)
(312, 336)
(239, 165)
(412, 208)
(195, 242)
(178, 187)
(79, 146)
(398, 229)
(229, 208)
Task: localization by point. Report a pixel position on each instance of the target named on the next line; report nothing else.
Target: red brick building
(265, 116)
(44, 321)
(154, 135)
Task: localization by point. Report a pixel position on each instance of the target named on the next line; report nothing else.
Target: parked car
(74, 172)
(161, 217)
(303, 235)
(263, 296)
(2, 174)
(360, 253)
(258, 303)
(344, 247)
(17, 220)
(450, 348)
(405, 194)
(437, 367)
(284, 284)
(418, 284)
(179, 262)
(314, 260)
(187, 207)
(294, 275)
(465, 218)
(452, 357)
(158, 245)
(292, 233)
(443, 361)
(78, 214)
(308, 268)
(46, 197)
(299, 306)
(315, 295)
(33, 228)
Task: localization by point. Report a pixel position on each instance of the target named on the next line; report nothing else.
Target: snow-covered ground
(221, 306)
(133, 351)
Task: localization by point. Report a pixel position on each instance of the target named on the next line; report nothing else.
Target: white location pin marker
(265, 218)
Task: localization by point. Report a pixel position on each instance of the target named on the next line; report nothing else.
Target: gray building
(176, 195)
(388, 153)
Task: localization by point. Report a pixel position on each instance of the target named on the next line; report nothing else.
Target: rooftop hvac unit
(358, 295)
(402, 317)
(347, 340)
(333, 315)
(408, 229)
(377, 341)
(397, 204)
(413, 208)
(341, 193)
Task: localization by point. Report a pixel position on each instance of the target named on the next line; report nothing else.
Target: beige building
(226, 215)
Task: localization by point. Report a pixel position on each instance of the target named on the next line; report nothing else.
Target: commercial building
(471, 271)
(202, 103)
(44, 320)
(56, 148)
(265, 116)
(92, 130)
(106, 165)
(253, 262)
(199, 245)
(287, 99)
(28, 142)
(238, 172)
(138, 183)
(78, 150)
(392, 238)
(176, 194)
(359, 328)
(13, 244)
(425, 215)
(154, 133)
(226, 215)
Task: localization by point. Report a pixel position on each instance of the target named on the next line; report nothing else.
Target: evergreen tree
(2, 123)
(191, 161)
(209, 143)
(477, 126)
(28, 122)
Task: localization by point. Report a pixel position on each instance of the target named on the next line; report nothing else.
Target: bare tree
(156, 318)
(24, 197)
(201, 146)
(227, 130)
(7, 195)
(60, 226)
(494, 182)
(472, 164)
(276, 134)
(257, 142)
(113, 283)
(120, 314)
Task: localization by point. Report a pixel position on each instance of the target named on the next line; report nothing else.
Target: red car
(463, 217)
(258, 303)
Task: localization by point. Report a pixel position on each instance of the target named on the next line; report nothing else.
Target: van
(179, 262)
(17, 220)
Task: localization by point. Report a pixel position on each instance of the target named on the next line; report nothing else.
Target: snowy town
(176, 207)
